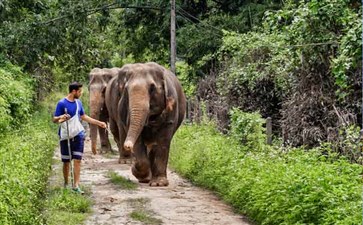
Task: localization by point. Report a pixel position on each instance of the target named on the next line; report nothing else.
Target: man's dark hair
(74, 86)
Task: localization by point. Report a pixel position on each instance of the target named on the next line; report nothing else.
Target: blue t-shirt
(71, 110)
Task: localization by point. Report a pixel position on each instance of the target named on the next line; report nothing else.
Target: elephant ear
(122, 77)
(168, 91)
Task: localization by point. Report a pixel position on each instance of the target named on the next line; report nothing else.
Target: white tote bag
(74, 126)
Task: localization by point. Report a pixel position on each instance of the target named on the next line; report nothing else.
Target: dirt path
(180, 203)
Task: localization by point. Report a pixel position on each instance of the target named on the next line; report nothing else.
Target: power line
(108, 7)
(201, 22)
(313, 44)
(197, 24)
(185, 15)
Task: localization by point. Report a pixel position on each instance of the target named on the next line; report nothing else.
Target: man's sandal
(78, 190)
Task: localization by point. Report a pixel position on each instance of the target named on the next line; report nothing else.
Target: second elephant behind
(99, 79)
(146, 105)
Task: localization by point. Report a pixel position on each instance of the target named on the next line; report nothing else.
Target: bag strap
(77, 107)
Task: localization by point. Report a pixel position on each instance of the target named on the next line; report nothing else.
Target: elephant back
(100, 77)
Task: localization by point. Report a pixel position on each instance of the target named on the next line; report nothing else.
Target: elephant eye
(152, 88)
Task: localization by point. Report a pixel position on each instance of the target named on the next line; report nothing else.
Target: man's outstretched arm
(93, 121)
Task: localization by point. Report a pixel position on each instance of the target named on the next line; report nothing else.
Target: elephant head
(146, 98)
(97, 86)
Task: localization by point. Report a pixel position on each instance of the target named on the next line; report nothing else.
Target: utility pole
(172, 37)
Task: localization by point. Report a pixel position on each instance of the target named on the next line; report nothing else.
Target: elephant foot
(141, 172)
(106, 149)
(145, 180)
(159, 181)
(125, 160)
(125, 157)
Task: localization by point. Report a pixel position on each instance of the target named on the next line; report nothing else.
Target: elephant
(147, 105)
(97, 87)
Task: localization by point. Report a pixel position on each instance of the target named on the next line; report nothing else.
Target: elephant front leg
(93, 134)
(141, 167)
(158, 157)
(125, 156)
(105, 142)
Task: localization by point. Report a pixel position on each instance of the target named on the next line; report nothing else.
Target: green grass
(66, 218)
(141, 213)
(144, 216)
(65, 207)
(25, 159)
(121, 182)
(270, 185)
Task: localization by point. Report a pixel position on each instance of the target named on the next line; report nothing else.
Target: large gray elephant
(146, 105)
(97, 87)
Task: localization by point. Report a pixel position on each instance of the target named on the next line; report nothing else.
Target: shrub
(248, 128)
(273, 186)
(16, 97)
(25, 155)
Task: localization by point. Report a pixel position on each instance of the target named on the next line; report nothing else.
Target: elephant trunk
(139, 110)
(95, 110)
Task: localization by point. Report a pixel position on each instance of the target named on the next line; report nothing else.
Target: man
(70, 109)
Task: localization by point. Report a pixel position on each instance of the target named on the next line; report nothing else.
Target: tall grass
(270, 185)
(25, 155)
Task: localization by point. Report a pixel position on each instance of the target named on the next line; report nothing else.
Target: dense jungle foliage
(296, 61)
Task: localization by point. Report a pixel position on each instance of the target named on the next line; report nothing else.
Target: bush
(270, 186)
(16, 97)
(248, 128)
(26, 156)
(301, 64)
(26, 148)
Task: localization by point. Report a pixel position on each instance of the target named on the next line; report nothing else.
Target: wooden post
(269, 130)
(172, 37)
(197, 111)
(189, 111)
